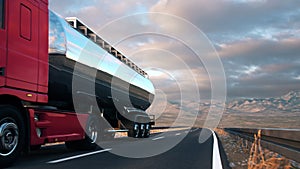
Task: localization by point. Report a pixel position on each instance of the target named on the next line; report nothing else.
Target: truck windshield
(1, 14)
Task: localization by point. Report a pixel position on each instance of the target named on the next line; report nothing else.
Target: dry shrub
(265, 159)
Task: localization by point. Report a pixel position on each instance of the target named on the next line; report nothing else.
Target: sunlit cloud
(250, 69)
(257, 40)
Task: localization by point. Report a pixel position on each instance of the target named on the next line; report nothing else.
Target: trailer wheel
(147, 130)
(91, 137)
(12, 134)
(134, 131)
(142, 130)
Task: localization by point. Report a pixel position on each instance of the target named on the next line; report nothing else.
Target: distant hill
(287, 103)
(277, 112)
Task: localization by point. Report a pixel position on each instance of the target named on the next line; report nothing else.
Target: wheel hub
(9, 134)
(93, 132)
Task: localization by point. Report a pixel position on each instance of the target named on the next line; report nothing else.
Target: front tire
(12, 134)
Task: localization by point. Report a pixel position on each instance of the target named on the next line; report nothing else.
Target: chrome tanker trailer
(88, 74)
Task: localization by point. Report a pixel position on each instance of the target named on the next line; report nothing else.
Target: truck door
(2, 42)
(22, 44)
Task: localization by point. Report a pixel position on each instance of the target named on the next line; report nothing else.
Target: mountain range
(286, 103)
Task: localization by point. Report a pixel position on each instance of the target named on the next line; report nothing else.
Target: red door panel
(2, 42)
(22, 51)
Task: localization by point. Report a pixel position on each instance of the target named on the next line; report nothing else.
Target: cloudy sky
(257, 41)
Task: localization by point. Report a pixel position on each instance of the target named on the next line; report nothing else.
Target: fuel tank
(79, 68)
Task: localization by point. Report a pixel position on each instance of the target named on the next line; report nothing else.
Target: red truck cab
(24, 73)
(24, 49)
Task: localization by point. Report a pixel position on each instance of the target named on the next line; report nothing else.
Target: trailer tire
(147, 130)
(91, 137)
(12, 134)
(134, 130)
(142, 130)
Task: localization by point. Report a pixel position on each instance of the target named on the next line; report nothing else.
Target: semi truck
(61, 82)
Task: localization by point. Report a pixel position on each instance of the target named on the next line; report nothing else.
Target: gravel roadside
(243, 154)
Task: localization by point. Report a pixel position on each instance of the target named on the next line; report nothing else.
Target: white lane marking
(216, 161)
(158, 138)
(178, 134)
(78, 156)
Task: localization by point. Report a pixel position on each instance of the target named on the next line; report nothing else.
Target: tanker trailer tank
(98, 73)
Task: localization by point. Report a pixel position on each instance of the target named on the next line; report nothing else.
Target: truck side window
(2, 14)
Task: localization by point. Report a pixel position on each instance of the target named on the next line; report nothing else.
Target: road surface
(191, 152)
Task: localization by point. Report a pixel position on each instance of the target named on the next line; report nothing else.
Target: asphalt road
(173, 150)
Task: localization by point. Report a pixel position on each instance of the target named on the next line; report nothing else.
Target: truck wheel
(143, 130)
(147, 130)
(12, 134)
(91, 137)
(134, 131)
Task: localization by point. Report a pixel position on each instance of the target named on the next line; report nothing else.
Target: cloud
(257, 40)
(261, 67)
(97, 13)
(261, 49)
(229, 20)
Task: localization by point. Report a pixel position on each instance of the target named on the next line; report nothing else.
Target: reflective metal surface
(63, 39)
(9, 136)
(57, 40)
